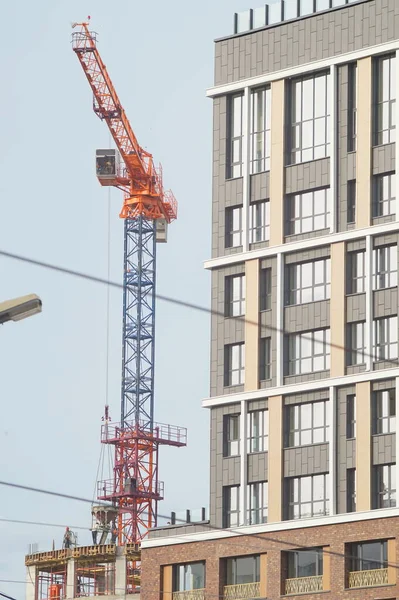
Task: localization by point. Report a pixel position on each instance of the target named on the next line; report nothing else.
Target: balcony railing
(368, 578)
(242, 591)
(189, 595)
(301, 585)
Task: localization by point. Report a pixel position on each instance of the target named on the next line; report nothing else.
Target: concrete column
(277, 163)
(275, 458)
(30, 593)
(363, 446)
(364, 139)
(71, 578)
(120, 575)
(251, 325)
(263, 575)
(337, 310)
(167, 583)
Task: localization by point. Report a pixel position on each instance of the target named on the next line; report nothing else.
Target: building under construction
(126, 504)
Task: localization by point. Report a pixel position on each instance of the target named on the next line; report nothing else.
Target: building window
(385, 340)
(308, 212)
(233, 227)
(258, 431)
(235, 296)
(305, 563)
(242, 570)
(385, 486)
(385, 267)
(231, 429)
(308, 496)
(189, 577)
(384, 195)
(351, 490)
(265, 359)
(368, 556)
(385, 100)
(257, 495)
(260, 130)
(356, 274)
(307, 424)
(259, 222)
(351, 201)
(231, 506)
(265, 288)
(308, 282)
(234, 136)
(310, 118)
(384, 412)
(352, 108)
(308, 352)
(234, 364)
(351, 417)
(356, 344)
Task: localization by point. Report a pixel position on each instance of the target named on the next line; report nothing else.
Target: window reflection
(308, 212)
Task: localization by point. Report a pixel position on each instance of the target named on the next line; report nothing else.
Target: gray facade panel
(306, 460)
(383, 159)
(385, 302)
(355, 308)
(308, 255)
(305, 317)
(291, 379)
(307, 176)
(384, 449)
(306, 397)
(257, 467)
(260, 186)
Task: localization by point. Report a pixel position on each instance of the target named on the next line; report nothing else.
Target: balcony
(370, 578)
(189, 595)
(303, 585)
(241, 591)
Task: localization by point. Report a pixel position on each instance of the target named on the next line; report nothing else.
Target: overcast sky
(53, 366)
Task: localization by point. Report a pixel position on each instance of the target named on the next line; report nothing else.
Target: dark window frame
(234, 150)
(265, 359)
(384, 106)
(229, 378)
(294, 223)
(229, 512)
(265, 289)
(233, 235)
(295, 279)
(260, 135)
(231, 435)
(234, 307)
(356, 343)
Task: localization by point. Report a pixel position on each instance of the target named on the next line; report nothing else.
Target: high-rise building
(304, 344)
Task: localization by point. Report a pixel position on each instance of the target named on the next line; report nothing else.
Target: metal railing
(302, 585)
(242, 591)
(368, 578)
(189, 595)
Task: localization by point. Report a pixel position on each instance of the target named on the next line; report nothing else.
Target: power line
(5, 596)
(40, 523)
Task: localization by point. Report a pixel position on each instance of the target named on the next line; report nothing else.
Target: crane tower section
(147, 209)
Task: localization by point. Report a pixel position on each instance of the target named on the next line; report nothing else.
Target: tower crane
(135, 489)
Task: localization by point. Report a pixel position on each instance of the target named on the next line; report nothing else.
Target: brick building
(304, 348)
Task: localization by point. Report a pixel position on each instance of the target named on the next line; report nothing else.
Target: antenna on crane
(147, 210)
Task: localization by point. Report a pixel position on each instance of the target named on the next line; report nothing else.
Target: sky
(53, 366)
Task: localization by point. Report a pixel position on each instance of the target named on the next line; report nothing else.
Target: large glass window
(350, 490)
(258, 431)
(385, 267)
(235, 295)
(259, 222)
(234, 364)
(265, 289)
(308, 496)
(231, 506)
(189, 577)
(385, 340)
(234, 137)
(242, 569)
(265, 359)
(260, 130)
(257, 496)
(231, 430)
(368, 556)
(307, 424)
(310, 118)
(351, 416)
(308, 352)
(384, 411)
(385, 486)
(233, 237)
(308, 212)
(305, 563)
(356, 343)
(356, 274)
(384, 195)
(308, 282)
(385, 99)
(352, 107)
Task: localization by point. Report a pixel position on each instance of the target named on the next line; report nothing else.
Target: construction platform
(84, 571)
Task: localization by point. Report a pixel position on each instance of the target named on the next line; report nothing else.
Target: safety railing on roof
(277, 11)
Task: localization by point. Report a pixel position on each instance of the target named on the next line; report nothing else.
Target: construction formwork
(102, 570)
